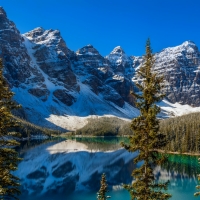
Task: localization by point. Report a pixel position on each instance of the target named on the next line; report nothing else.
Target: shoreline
(178, 153)
(92, 136)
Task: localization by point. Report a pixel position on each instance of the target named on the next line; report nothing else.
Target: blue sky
(109, 23)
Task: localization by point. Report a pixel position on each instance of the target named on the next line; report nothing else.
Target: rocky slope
(51, 81)
(180, 67)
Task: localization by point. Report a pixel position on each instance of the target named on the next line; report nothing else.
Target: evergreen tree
(101, 195)
(8, 156)
(183, 133)
(146, 138)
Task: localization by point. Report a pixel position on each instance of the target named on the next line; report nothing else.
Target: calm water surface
(116, 163)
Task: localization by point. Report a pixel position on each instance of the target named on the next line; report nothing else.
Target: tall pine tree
(146, 138)
(8, 156)
(101, 195)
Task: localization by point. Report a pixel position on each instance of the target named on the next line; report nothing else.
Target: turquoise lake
(71, 169)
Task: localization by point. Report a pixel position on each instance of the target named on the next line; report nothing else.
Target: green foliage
(146, 138)
(105, 126)
(183, 133)
(27, 129)
(101, 195)
(8, 156)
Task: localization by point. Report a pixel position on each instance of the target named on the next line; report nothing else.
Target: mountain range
(60, 88)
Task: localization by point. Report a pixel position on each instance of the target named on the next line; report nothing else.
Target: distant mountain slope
(27, 129)
(57, 86)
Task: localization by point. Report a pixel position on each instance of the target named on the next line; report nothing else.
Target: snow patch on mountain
(175, 109)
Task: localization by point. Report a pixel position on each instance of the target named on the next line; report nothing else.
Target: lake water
(71, 170)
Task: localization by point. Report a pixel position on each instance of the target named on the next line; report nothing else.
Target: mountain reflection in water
(71, 169)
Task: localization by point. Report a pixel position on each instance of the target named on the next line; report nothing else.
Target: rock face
(121, 66)
(94, 71)
(13, 52)
(52, 56)
(180, 67)
(48, 78)
(64, 97)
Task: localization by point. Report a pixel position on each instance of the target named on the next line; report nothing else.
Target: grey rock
(180, 68)
(40, 63)
(110, 94)
(94, 83)
(14, 54)
(52, 56)
(40, 93)
(64, 97)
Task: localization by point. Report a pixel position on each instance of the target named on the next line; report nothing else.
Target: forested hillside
(183, 133)
(106, 126)
(27, 129)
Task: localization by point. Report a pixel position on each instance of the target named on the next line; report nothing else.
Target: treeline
(102, 143)
(105, 126)
(26, 129)
(182, 133)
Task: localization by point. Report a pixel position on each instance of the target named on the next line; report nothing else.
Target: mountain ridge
(54, 83)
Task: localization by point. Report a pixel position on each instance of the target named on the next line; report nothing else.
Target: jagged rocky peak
(187, 47)
(88, 50)
(3, 16)
(52, 56)
(13, 52)
(119, 60)
(5, 23)
(184, 55)
(180, 67)
(49, 38)
(118, 51)
(2, 11)
(188, 43)
(118, 56)
(35, 32)
(42, 36)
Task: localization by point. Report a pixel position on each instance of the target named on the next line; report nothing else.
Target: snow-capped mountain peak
(119, 60)
(51, 81)
(34, 33)
(186, 47)
(88, 50)
(118, 50)
(2, 11)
